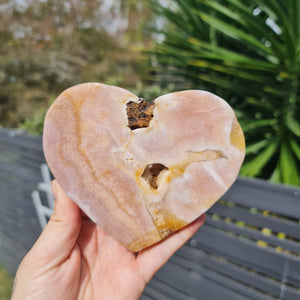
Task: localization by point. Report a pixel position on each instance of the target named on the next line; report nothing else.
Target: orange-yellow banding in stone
(167, 223)
(236, 135)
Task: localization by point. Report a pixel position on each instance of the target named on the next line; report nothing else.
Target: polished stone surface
(142, 184)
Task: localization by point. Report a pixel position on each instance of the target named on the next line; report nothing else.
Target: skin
(75, 259)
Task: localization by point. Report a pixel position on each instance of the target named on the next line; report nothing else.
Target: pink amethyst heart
(142, 170)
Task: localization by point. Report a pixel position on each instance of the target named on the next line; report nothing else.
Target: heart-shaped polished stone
(142, 170)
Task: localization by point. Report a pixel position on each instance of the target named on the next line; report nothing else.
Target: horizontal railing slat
(16, 137)
(11, 253)
(168, 291)
(13, 205)
(276, 224)
(26, 230)
(224, 281)
(154, 293)
(194, 284)
(26, 174)
(249, 254)
(145, 296)
(21, 157)
(265, 196)
(195, 258)
(253, 234)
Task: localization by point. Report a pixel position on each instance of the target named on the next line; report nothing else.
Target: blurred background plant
(6, 284)
(49, 45)
(247, 52)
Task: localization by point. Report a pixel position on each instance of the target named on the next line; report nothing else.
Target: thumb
(59, 236)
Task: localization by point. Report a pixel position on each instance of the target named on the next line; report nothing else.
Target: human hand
(75, 259)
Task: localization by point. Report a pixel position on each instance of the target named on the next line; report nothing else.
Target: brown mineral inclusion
(139, 113)
(152, 172)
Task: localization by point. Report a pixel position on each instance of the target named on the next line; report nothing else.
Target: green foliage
(6, 284)
(248, 52)
(35, 124)
(48, 46)
(151, 92)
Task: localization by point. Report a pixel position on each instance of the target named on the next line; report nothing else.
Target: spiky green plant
(248, 52)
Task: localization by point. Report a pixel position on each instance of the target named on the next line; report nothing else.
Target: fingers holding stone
(59, 236)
